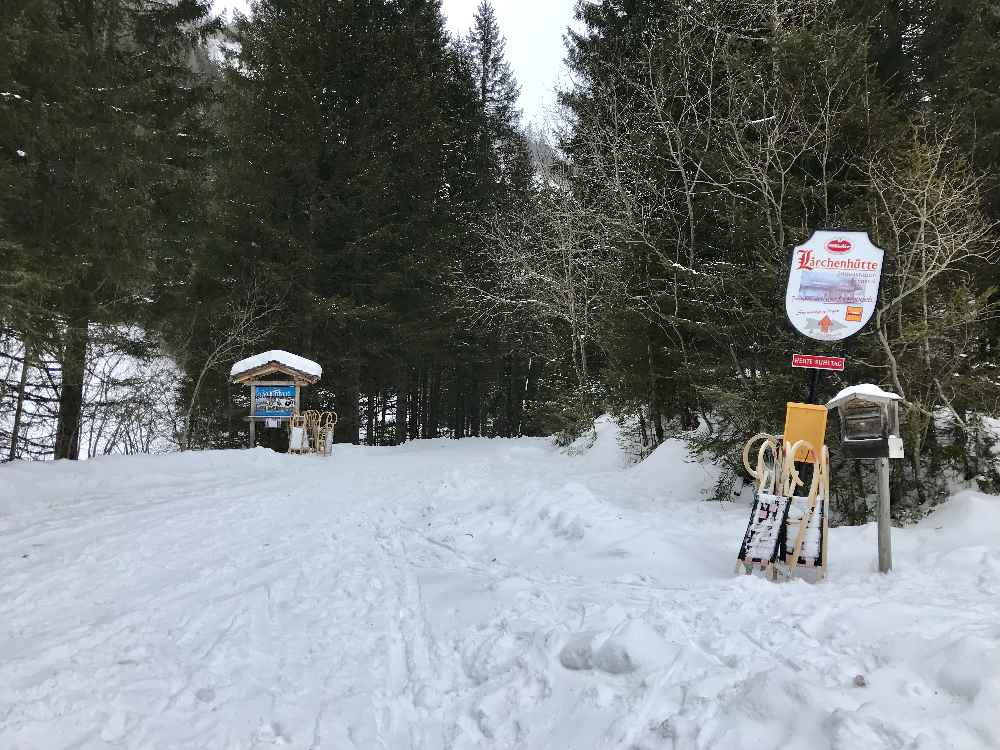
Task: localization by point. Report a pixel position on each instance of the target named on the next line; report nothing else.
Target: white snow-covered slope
(470, 594)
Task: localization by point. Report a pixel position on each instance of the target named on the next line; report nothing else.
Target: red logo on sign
(839, 246)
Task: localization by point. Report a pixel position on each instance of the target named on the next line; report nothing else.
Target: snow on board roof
(289, 360)
(866, 391)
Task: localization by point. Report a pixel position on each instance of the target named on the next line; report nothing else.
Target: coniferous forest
(349, 181)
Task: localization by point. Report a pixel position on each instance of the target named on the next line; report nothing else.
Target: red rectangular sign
(814, 362)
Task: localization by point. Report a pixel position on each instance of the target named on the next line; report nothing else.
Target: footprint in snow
(629, 647)
(274, 733)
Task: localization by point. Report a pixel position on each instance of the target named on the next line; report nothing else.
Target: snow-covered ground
(470, 594)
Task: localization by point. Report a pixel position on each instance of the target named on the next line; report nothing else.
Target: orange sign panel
(854, 314)
(806, 422)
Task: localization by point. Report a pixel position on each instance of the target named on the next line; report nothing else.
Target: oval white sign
(833, 284)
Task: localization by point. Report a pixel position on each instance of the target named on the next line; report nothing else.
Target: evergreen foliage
(713, 137)
(98, 109)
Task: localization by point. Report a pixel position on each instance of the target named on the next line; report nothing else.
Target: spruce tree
(496, 87)
(352, 163)
(492, 368)
(97, 134)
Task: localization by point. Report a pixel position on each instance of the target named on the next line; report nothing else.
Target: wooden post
(884, 523)
(813, 385)
(826, 513)
(253, 413)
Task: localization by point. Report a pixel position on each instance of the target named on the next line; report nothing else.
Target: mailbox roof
(863, 392)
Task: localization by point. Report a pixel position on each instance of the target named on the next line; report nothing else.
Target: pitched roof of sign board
(310, 370)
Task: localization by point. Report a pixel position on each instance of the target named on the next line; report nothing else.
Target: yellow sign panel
(806, 422)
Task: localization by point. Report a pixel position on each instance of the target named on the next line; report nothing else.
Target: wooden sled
(762, 540)
(298, 435)
(773, 543)
(325, 428)
(312, 432)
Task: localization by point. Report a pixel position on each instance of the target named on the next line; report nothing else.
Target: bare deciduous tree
(928, 214)
(244, 324)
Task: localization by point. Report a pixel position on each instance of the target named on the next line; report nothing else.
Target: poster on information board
(274, 400)
(833, 284)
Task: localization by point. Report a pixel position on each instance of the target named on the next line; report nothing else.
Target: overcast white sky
(534, 31)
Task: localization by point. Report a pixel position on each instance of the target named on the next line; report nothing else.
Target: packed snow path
(470, 594)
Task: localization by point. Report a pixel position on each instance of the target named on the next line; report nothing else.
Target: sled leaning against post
(327, 425)
(803, 510)
(773, 542)
(312, 429)
(298, 439)
(761, 542)
(766, 477)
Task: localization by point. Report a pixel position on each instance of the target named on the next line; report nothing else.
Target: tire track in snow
(409, 671)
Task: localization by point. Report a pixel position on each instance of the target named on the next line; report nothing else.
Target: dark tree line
(313, 187)
(706, 139)
(101, 117)
(362, 146)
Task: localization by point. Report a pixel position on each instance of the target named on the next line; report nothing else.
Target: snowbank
(600, 449)
(471, 594)
(294, 361)
(674, 471)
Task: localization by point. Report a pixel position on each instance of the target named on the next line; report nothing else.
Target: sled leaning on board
(787, 533)
(312, 432)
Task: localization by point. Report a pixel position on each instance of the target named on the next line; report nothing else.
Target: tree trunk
(19, 409)
(643, 435)
(434, 404)
(415, 405)
(476, 415)
(914, 457)
(516, 401)
(457, 419)
(74, 366)
(370, 418)
(424, 406)
(508, 383)
(402, 394)
(348, 428)
(654, 400)
(186, 441)
(381, 419)
(524, 397)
